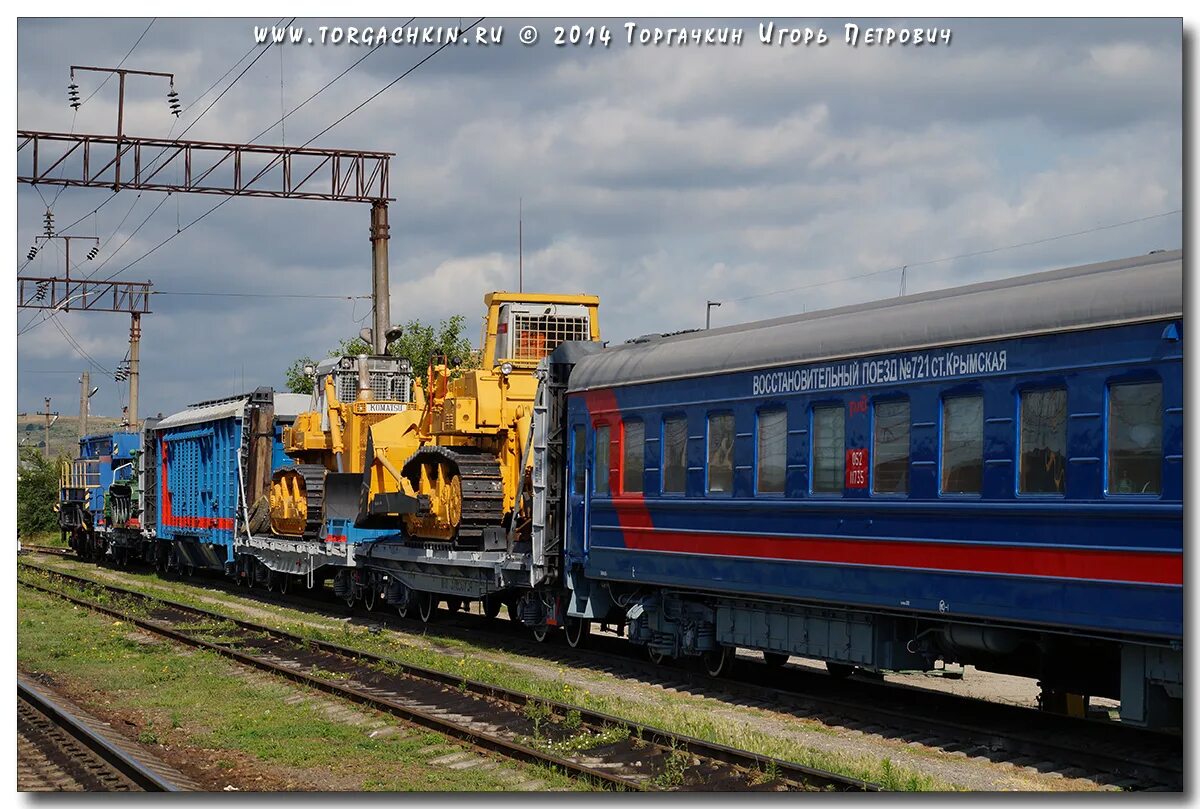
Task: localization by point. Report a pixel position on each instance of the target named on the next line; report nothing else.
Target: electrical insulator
(92, 253)
(73, 94)
(49, 219)
(173, 101)
(41, 290)
(33, 251)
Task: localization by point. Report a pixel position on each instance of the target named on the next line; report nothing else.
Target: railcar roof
(1126, 290)
(287, 407)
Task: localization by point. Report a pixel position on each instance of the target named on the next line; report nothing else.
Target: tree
(296, 380)
(37, 492)
(418, 344)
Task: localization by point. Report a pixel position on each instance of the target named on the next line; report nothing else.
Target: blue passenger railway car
(991, 474)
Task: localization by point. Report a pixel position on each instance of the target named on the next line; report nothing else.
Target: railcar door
(577, 489)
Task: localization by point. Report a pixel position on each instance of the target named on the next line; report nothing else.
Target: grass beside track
(193, 699)
(676, 713)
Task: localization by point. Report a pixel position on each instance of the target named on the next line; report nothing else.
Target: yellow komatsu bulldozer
(328, 443)
(453, 468)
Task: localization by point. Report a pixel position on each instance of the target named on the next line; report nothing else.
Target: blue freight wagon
(212, 469)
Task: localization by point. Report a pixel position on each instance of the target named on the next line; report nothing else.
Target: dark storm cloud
(655, 177)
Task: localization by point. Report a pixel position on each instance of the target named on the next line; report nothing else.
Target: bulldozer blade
(342, 492)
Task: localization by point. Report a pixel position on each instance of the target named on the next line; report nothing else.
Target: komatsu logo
(381, 407)
(882, 371)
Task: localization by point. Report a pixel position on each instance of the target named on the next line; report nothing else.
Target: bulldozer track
(482, 488)
(314, 497)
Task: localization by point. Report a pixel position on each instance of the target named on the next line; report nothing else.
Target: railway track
(605, 750)
(59, 750)
(1128, 757)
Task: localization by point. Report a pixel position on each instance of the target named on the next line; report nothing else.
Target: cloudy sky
(656, 177)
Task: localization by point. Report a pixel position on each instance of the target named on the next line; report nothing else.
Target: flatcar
(991, 474)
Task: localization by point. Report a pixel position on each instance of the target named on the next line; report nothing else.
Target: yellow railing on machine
(80, 473)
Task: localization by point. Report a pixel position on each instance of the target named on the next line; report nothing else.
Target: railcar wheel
(656, 657)
(839, 671)
(514, 614)
(718, 662)
(285, 583)
(577, 630)
(491, 606)
(402, 609)
(370, 594)
(272, 581)
(541, 633)
(426, 607)
(775, 660)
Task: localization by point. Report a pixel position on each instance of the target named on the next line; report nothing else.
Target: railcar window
(772, 451)
(674, 461)
(579, 461)
(1043, 442)
(1135, 438)
(720, 452)
(634, 463)
(829, 449)
(890, 473)
(962, 445)
(600, 473)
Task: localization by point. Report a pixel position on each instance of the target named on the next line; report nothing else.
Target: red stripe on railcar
(1069, 563)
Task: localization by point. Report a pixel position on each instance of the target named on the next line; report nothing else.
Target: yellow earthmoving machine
(328, 443)
(455, 468)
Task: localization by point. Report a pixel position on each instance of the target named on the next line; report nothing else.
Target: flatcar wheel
(775, 660)
(577, 630)
(285, 581)
(426, 607)
(402, 609)
(541, 633)
(370, 594)
(717, 662)
(272, 581)
(839, 671)
(491, 606)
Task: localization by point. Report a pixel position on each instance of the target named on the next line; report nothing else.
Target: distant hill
(64, 433)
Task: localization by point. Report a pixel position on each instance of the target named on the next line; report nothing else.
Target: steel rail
(1031, 744)
(137, 772)
(796, 773)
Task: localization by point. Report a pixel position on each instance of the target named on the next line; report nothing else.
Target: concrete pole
(85, 387)
(379, 276)
(47, 414)
(135, 339)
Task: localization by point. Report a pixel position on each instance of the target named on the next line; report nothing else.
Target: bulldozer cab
(522, 329)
